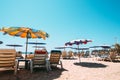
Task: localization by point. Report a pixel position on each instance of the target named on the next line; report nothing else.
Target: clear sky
(63, 20)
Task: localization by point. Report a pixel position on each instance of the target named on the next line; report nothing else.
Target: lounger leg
(79, 59)
(16, 67)
(110, 59)
(48, 65)
(61, 64)
(31, 66)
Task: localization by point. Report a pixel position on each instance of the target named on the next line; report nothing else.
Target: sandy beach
(88, 69)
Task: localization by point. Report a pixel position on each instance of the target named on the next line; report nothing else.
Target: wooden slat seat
(55, 58)
(8, 59)
(39, 60)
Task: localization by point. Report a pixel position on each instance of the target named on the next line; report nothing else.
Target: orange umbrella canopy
(25, 32)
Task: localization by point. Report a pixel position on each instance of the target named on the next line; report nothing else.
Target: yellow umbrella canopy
(25, 32)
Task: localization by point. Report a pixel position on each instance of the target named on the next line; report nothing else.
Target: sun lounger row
(39, 59)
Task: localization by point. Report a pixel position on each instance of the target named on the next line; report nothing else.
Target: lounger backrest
(64, 54)
(82, 53)
(112, 54)
(55, 56)
(70, 53)
(39, 57)
(7, 57)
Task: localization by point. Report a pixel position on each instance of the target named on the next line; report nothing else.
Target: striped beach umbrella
(78, 42)
(25, 32)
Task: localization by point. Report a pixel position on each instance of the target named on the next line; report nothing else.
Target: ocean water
(27, 52)
(31, 52)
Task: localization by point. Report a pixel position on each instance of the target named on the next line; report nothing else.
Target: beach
(87, 69)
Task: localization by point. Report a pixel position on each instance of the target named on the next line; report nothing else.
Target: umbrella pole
(79, 54)
(26, 47)
(36, 46)
(26, 62)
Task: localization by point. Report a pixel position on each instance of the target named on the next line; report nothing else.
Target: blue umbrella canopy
(14, 45)
(94, 46)
(1, 42)
(81, 48)
(105, 46)
(36, 43)
(62, 47)
(102, 46)
(38, 46)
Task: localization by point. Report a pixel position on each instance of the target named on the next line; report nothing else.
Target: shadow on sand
(38, 74)
(69, 58)
(90, 65)
(115, 61)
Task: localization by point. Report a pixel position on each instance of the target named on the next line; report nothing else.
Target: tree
(117, 47)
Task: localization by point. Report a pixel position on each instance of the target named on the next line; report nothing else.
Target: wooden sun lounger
(8, 59)
(39, 60)
(55, 58)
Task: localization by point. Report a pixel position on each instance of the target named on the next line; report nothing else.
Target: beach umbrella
(106, 46)
(94, 47)
(1, 42)
(36, 43)
(25, 32)
(38, 46)
(62, 47)
(78, 42)
(81, 48)
(14, 45)
(69, 43)
(102, 46)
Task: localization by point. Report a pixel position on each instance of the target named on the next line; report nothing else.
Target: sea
(31, 52)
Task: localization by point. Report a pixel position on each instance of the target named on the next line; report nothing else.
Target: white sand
(78, 72)
(89, 69)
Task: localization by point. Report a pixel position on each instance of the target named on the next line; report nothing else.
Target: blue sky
(63, 20)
